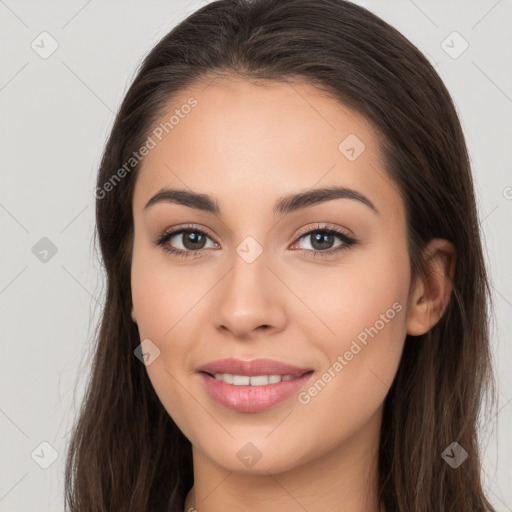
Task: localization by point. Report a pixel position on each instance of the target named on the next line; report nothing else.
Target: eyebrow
(284, 205)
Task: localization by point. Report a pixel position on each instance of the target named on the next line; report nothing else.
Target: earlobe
(432, 292)
(134, 318)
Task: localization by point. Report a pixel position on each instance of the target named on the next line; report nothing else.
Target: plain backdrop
(55, 114)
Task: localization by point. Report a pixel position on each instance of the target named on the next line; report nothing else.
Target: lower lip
(252, 398)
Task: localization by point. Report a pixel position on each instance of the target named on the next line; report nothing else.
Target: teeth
(256, 380)
(241, 380)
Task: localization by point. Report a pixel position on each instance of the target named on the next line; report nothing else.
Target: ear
(432, 293)
(134, 318)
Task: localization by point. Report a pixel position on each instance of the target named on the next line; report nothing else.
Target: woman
(297, 303)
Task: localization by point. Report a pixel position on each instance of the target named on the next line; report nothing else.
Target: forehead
(258, 141)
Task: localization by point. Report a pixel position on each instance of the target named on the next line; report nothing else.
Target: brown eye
(322, 240)
(184, 241)
(192, 240)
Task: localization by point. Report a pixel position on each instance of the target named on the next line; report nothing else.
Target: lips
(252, 368)
(225, 382)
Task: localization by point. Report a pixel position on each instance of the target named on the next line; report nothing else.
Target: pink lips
(252, 398)
(251, 368)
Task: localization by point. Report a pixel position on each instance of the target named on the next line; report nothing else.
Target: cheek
(163, 294)
(169, 307)
(363, 293)
(364, 306)
(354, 382)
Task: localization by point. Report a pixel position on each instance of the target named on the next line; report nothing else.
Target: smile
(255, 393)
(256, 380)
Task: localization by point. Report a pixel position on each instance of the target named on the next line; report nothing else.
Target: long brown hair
(126, 453)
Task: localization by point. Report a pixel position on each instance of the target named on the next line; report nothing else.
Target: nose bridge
(247, 299)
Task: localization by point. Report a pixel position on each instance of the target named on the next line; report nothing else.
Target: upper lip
(252, 367)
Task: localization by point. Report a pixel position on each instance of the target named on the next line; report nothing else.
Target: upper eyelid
(324, 226)
(188, 227)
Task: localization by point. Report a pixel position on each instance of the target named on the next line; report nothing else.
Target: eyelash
(162, 240)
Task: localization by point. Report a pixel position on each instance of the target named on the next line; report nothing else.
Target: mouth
(252, 386)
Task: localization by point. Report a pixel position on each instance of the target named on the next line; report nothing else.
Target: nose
(249, 300)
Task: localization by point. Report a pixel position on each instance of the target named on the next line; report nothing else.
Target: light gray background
(55, 117)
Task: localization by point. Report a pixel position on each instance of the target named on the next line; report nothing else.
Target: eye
(192, 240)
(322, 239)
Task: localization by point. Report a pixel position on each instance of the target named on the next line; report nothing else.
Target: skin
(248, 144)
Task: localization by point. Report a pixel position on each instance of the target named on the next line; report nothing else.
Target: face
(320, 284)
